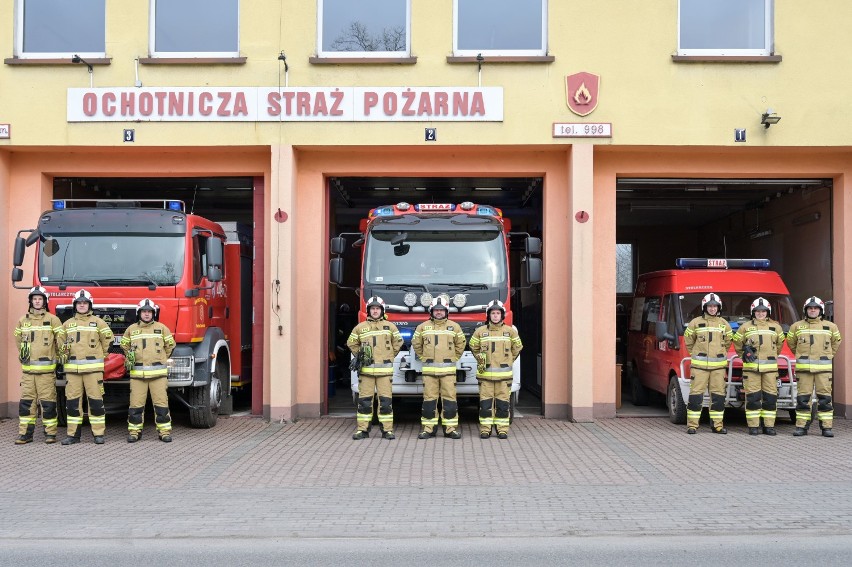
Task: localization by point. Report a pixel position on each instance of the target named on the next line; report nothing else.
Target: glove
(130, 360)
(24, 352)
(355, 363)
(749, 354)
(480, 363)
(64, 351)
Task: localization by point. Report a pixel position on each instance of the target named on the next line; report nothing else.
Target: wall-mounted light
(283, 58)
(479, 60)
(805, 219)
(77, 59)
(769, 118)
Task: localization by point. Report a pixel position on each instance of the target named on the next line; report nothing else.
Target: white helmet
(38, 290)
(495, 305)
(711, 299)
(83, 295)
(440, 302)
(147, 304)
(760, 303)
(376, 301)
(814, 301)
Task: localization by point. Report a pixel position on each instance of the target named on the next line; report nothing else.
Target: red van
(666, 301)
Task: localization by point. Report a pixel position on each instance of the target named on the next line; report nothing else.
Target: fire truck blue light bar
(723, 263)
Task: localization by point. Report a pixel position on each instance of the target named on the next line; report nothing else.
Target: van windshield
(736, 307)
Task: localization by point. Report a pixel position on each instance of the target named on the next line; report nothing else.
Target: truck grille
(118, 318)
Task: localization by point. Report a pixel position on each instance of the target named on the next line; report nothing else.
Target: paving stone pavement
(250, 478)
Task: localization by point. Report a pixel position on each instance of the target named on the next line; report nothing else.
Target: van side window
(672, 310)
(651, 315)
(199, 258)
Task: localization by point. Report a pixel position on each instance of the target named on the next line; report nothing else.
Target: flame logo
(582, 96)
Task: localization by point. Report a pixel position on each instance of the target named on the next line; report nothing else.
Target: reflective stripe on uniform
(709, 362)
(494, 373)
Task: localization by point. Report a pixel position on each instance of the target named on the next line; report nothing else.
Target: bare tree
(358, 38)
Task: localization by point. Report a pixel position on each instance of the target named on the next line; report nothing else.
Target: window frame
(152, 40)
(19, 40)
(500, 52)
(768, 30)
(322, 54)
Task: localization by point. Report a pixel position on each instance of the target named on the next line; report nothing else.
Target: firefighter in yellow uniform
(814, 342)
(758, 343)
(147, 345)
(378, 341)
(496, 346)
(88, 339)
(439, 344)
(38, 337)
(708, 338)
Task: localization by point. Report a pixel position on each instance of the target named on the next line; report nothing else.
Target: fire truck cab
(667, 300)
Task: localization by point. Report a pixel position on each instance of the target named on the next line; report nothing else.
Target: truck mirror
(214, 273)
(399, 238)
(335, 270)
(17, 274)
(338, 245)
(18, 254)
(533, 245)
(663, 334)
(214, 253)
(401, 249)
(33, 237)
(533, 271)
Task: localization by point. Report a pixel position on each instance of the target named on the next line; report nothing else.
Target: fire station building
(624, 139)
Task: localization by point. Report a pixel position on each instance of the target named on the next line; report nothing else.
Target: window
(367, 28)
(725, 27)
(195, 28)
(500, 27)
(624, 268)
(60, 29)
(651, 315)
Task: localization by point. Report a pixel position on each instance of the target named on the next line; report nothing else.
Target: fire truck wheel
(206, 399)
(61, 410)
(638, 392)
(674, 400)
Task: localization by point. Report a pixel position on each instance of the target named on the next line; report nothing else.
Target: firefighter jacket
(148, 347)
(383, 339)
(439, 343)
(708, 339)
(88, 340)
(499, 345)
(814, 342)
(766, 338)
(44, 334)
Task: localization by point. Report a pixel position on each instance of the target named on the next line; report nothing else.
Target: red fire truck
(666, 301)
(412, 253)
(123, 251)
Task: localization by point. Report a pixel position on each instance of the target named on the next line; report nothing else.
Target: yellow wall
(649, 99)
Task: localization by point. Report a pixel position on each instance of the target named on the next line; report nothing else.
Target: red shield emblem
(581, 90)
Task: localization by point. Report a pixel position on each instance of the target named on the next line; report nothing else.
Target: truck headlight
(180, 367)
(426, 300)
(410, 299)
(459, 300)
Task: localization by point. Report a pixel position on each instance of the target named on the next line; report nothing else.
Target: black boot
(827, 432)
(769, 431)
(24, 439)
(800, 432)
(753, 431)
(70, 440)
(720, 430)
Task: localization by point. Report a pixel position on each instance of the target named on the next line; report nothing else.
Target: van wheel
(677, 407)
(637, 391)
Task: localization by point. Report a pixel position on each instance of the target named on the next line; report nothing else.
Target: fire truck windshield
(111, 259)
(445, 257)
(736, 307)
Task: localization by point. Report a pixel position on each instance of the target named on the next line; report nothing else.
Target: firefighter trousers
(825, 410)
(761, 393)
(443, 386)
(139, 388)
(368, 387)
(37, 390)
(716, 380)
(93, 385)
(494, 396)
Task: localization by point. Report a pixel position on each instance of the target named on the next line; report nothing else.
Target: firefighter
(708, 338)
(758, 343)
(439, 343)
(38, 336)
(147, 345)
(496, 346)
(375, 343)
(88, 339)
(814, 342)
